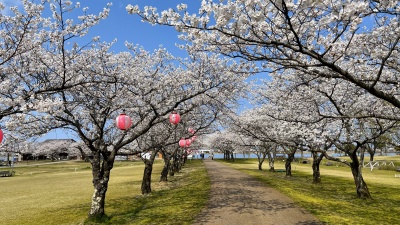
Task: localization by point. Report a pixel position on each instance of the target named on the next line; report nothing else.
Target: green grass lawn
(334, 201)
(61, 194)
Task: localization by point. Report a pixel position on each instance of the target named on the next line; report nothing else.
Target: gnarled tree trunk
(179, 162)
(356, 170)
(288, 163)
(148, 169)
(174, 165)
(315, 167)
(271, 162)
(101, 175)
(261, 159)
(167, 164)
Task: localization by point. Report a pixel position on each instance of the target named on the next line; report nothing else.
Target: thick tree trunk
(288, 164)
(171, 170)
(101, 176)
(184, 158)
(98, 200)
(315, 167)
(356, 169)
(261, 159)
(148, 169)
(226, 155)
(179, 162)
(371, 156)
(271, 162)
(174, 166)
(164, 172)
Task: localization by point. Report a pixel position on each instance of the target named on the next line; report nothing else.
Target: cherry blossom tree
(196, 119)
(37, 54)
(146, 86)
(20, 34)
(336, 60)
(352, 41)
(225, 142)
(83, 88)
(201, 119)
(57, 149)
(252, 130)
(332, 114)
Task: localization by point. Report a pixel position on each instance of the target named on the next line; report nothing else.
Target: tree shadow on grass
(157, 208)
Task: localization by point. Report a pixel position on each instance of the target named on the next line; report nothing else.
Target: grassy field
(334, 201)
(61, 194)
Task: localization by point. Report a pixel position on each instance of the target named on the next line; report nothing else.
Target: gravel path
(237, 198)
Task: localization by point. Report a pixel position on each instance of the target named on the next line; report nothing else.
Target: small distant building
(53, 149)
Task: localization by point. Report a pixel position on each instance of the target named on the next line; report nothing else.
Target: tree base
(96, 219)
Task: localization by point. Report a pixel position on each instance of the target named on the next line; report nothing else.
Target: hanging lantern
(123, 122)
(182, 143)
(1, 135)
(188, 142)
(191, 130)
(174, 118)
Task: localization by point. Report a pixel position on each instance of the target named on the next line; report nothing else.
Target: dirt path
(237, 198)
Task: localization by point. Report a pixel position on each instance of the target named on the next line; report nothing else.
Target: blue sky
(127, 27)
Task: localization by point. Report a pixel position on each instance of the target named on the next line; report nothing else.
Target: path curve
(237, 198)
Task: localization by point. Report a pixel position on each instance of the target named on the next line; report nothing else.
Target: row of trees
(333, 66)
(51, 79)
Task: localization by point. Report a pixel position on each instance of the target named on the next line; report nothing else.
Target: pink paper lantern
(182, 143)
(188, 142)
(1, 135)
(123, 121)
(194, 138)
(174, 118)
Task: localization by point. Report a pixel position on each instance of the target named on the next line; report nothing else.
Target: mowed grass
(61, 194)
(334, 201)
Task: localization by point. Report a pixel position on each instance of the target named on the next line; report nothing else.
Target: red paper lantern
(123, 121)
(191, 130)
(182, 143)
(174, 118)
(1, 135)
(188, 142)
